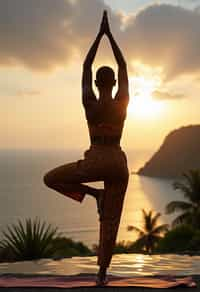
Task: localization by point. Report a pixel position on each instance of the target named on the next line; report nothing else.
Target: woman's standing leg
(109, 221)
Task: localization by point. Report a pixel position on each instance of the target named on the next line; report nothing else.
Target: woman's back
(106, 120)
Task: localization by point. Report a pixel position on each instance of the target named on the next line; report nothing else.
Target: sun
(142, 105)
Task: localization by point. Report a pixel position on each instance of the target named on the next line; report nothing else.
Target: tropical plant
(177, 239)
(29, 241)
(121, 247)
(190, 208)
(194, 244)
(66, 247)
(151, 232)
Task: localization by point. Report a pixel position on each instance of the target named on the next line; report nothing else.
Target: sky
(43, 45)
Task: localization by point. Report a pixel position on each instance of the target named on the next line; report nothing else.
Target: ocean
(24, 195)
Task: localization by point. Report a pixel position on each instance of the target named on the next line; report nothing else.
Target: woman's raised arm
(122, 68)
(87, 65)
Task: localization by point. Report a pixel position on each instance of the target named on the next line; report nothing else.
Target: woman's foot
(100, 199)
(101, 279)
(98, 194)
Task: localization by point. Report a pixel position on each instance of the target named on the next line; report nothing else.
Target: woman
(104, 161)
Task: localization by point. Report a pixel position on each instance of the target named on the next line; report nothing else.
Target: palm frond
(155, 219)
(136, 229)
(147, 219)
(190, 185)
(177, 206)
(30, 240)
(161, 229)
(184, 188)
(184, 218)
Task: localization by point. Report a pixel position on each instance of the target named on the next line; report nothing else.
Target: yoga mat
(89, 281)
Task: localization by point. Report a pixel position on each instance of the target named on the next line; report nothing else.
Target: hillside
(179, 152)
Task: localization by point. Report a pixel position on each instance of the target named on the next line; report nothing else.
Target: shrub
(35, 240)
(176, 240)
(66, 247)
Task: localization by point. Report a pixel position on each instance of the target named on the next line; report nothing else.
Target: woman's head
(105, 78)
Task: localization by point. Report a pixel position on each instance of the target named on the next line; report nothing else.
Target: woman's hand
(106, 24)
(104, 28)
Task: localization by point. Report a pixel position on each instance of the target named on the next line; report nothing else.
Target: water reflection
(124, 265)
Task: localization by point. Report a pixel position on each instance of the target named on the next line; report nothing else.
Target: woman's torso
(106, 121)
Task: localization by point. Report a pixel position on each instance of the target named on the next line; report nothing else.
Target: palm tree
(151, 232)
(190, 208)
(30, 241)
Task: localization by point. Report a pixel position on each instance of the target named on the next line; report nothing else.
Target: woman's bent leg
(67, 180)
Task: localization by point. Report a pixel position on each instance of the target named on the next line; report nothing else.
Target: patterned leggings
(100, 163)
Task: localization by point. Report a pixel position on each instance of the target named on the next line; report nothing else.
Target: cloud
(32, 32)
(43, 34)
(166, 36)
(164, 95)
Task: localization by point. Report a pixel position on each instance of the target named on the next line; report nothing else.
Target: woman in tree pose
(104, 161)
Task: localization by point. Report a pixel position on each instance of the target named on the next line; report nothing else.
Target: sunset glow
(142, 104)
(99, 146)
(40, 84)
